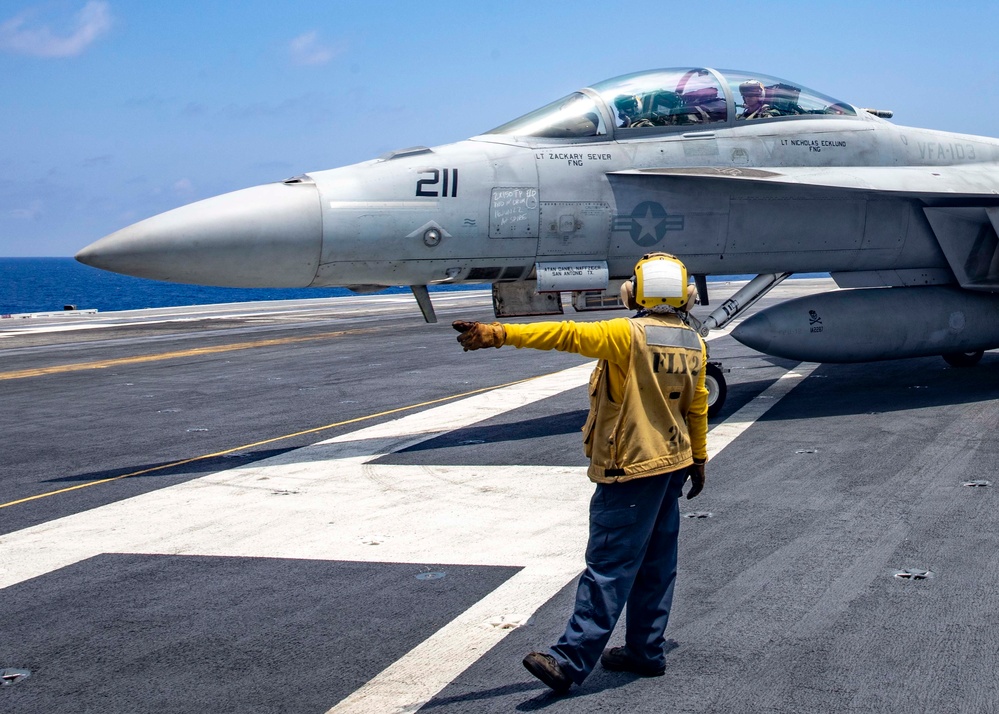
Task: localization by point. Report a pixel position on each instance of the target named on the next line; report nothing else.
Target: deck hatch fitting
(11, 676)
(699, 514)
(979, 483)
(913, 574)
(430, 576)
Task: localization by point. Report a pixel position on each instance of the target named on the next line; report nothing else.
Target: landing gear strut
(714, 377)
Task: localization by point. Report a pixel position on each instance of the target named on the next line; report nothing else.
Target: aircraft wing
(961, 203)
(973, 182)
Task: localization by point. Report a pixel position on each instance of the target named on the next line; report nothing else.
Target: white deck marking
(729, 430)
(264, 310)
(326, 501)
(715, 334)
(236, 512)
(414, 679)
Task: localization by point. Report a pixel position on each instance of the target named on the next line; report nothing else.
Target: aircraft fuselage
(661, 161)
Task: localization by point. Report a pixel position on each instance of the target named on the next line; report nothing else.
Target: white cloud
(17, 37)
(32, 213)
(183, 187)
(306, 50)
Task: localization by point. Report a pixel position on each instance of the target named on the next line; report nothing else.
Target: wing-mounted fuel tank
(875, 324)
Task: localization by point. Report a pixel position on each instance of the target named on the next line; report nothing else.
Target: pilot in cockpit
(754, 106)
(629, 109)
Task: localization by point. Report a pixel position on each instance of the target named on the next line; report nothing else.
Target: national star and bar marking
(648, 223)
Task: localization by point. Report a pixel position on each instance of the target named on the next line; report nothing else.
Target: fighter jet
(734, 172)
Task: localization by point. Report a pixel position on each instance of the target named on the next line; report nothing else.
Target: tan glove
(697, 478)
(476, 335)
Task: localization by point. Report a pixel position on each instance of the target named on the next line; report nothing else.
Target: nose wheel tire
(714, 380)
(963, 359)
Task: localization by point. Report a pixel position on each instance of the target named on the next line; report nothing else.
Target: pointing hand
(476, 335)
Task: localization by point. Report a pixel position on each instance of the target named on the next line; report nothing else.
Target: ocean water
(49, 284)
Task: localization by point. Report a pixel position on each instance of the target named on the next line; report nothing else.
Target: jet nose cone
(265, 236)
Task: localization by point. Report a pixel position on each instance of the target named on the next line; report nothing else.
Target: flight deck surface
(326, 505)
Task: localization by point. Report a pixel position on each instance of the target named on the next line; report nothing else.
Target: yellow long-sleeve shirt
(608, 340)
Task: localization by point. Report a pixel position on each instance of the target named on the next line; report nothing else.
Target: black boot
(619, 659)
(547, 669)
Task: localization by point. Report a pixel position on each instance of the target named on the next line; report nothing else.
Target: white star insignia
(648, 224)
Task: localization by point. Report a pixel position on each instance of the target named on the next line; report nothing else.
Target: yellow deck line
(272, 440)
(195, 352)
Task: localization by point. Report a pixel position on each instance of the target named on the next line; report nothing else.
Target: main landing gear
(714, 378)
(963, 359)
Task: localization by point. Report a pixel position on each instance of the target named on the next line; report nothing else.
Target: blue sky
(115, 110)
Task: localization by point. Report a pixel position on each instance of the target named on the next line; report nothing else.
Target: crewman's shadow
(494, 692)
(544, 697)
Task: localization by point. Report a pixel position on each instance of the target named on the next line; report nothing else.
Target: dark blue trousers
(630, 559)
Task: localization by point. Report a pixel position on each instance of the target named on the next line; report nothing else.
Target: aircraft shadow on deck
(173, 468)
(549, 425)
(876, 388)
(832, 390)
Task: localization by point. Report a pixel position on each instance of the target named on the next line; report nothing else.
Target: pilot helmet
(660, 279)
(627, 103)
(751, 86)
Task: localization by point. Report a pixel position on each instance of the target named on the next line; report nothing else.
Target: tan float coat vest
(646, 434)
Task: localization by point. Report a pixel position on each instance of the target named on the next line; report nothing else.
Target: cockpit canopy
(678, 97)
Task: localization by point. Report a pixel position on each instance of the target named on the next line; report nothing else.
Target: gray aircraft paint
(836, 190)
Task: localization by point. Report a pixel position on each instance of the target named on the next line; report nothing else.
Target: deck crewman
(645, 435)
